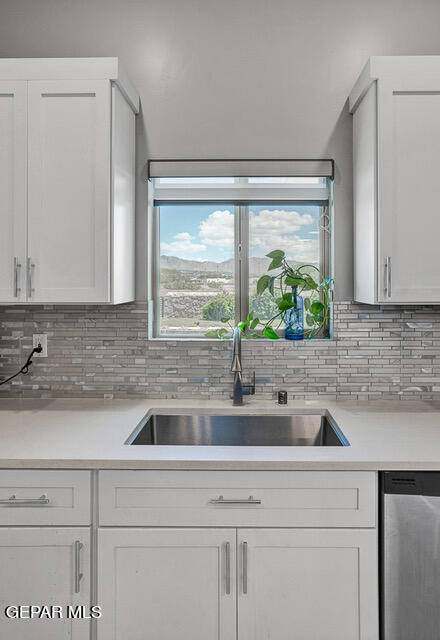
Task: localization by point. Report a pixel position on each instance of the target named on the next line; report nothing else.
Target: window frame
(240, 207)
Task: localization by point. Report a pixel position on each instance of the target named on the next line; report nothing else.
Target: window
(211, 237)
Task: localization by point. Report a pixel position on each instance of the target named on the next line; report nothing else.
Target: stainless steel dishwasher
(410, 555)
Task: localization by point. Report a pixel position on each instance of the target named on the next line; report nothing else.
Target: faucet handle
(249, 389)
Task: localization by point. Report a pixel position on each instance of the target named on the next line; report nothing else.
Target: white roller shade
(323, 168)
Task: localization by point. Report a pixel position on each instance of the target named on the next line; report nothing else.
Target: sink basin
(297, 430)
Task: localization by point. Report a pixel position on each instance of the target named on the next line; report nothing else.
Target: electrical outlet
(40, 338)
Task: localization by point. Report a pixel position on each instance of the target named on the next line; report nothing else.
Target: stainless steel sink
(239, 430)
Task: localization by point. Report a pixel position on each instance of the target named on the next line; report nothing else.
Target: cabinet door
(167, 584)
(69, 178)
(409, 188)
(310, 584)
(40, 567)
(13, 190)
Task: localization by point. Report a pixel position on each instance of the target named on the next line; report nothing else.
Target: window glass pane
(313, 181)
(193, 181)
(295, 229)
(196, 268)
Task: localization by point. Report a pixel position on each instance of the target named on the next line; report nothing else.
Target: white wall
(234, 78)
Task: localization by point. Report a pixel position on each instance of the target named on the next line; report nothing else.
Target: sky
(206, 232)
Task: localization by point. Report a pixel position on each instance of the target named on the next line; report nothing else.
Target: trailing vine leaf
(225, 319)
(294, 281)
(310, 282)
(276, 262)
(262, 284)
(276, 253)
(271, 285)
(242, 326)
(270, 333)
(316, 308)
(211, 334)
(255, 322)
(284, 304)
(313, 320)
(306, 304)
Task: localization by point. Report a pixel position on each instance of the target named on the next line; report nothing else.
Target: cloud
(278, 220)
(275, 229)
(269, 229)
(184, 235)
(182, 243)
(218, 229)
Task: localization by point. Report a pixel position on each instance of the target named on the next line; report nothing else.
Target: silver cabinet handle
(30, 267)
(222, 500)
(78, 575)
(227, 568)
(388, 276)
(25, 502)
(244, 550)
(17, 267)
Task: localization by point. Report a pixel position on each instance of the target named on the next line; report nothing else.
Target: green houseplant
(284, 282)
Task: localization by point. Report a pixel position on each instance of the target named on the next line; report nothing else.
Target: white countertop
(90, 434)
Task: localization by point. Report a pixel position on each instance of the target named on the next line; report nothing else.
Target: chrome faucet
(239, 390)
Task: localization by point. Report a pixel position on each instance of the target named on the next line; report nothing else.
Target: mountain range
(257, 266)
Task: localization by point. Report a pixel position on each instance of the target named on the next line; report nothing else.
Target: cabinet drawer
(238, 498)
(45, 497)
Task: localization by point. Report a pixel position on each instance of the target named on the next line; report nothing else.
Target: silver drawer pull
(222, 500)
(25, 502)
(78, 575)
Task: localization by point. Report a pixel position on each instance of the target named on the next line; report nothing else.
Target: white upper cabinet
(13, 189)
(67, 181)
(396, 136)
(68, 187)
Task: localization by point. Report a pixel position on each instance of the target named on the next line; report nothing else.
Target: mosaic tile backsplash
(377, 352)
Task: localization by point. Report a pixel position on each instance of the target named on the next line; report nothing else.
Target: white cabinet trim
(109, 68)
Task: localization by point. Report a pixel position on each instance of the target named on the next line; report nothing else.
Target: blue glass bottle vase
(294, 318)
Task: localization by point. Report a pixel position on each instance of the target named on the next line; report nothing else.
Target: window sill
(217, 340)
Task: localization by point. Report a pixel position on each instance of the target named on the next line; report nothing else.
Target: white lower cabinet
(167, 584)
(236, 571)
(45, 567)
(312, 584)
(308, 584)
